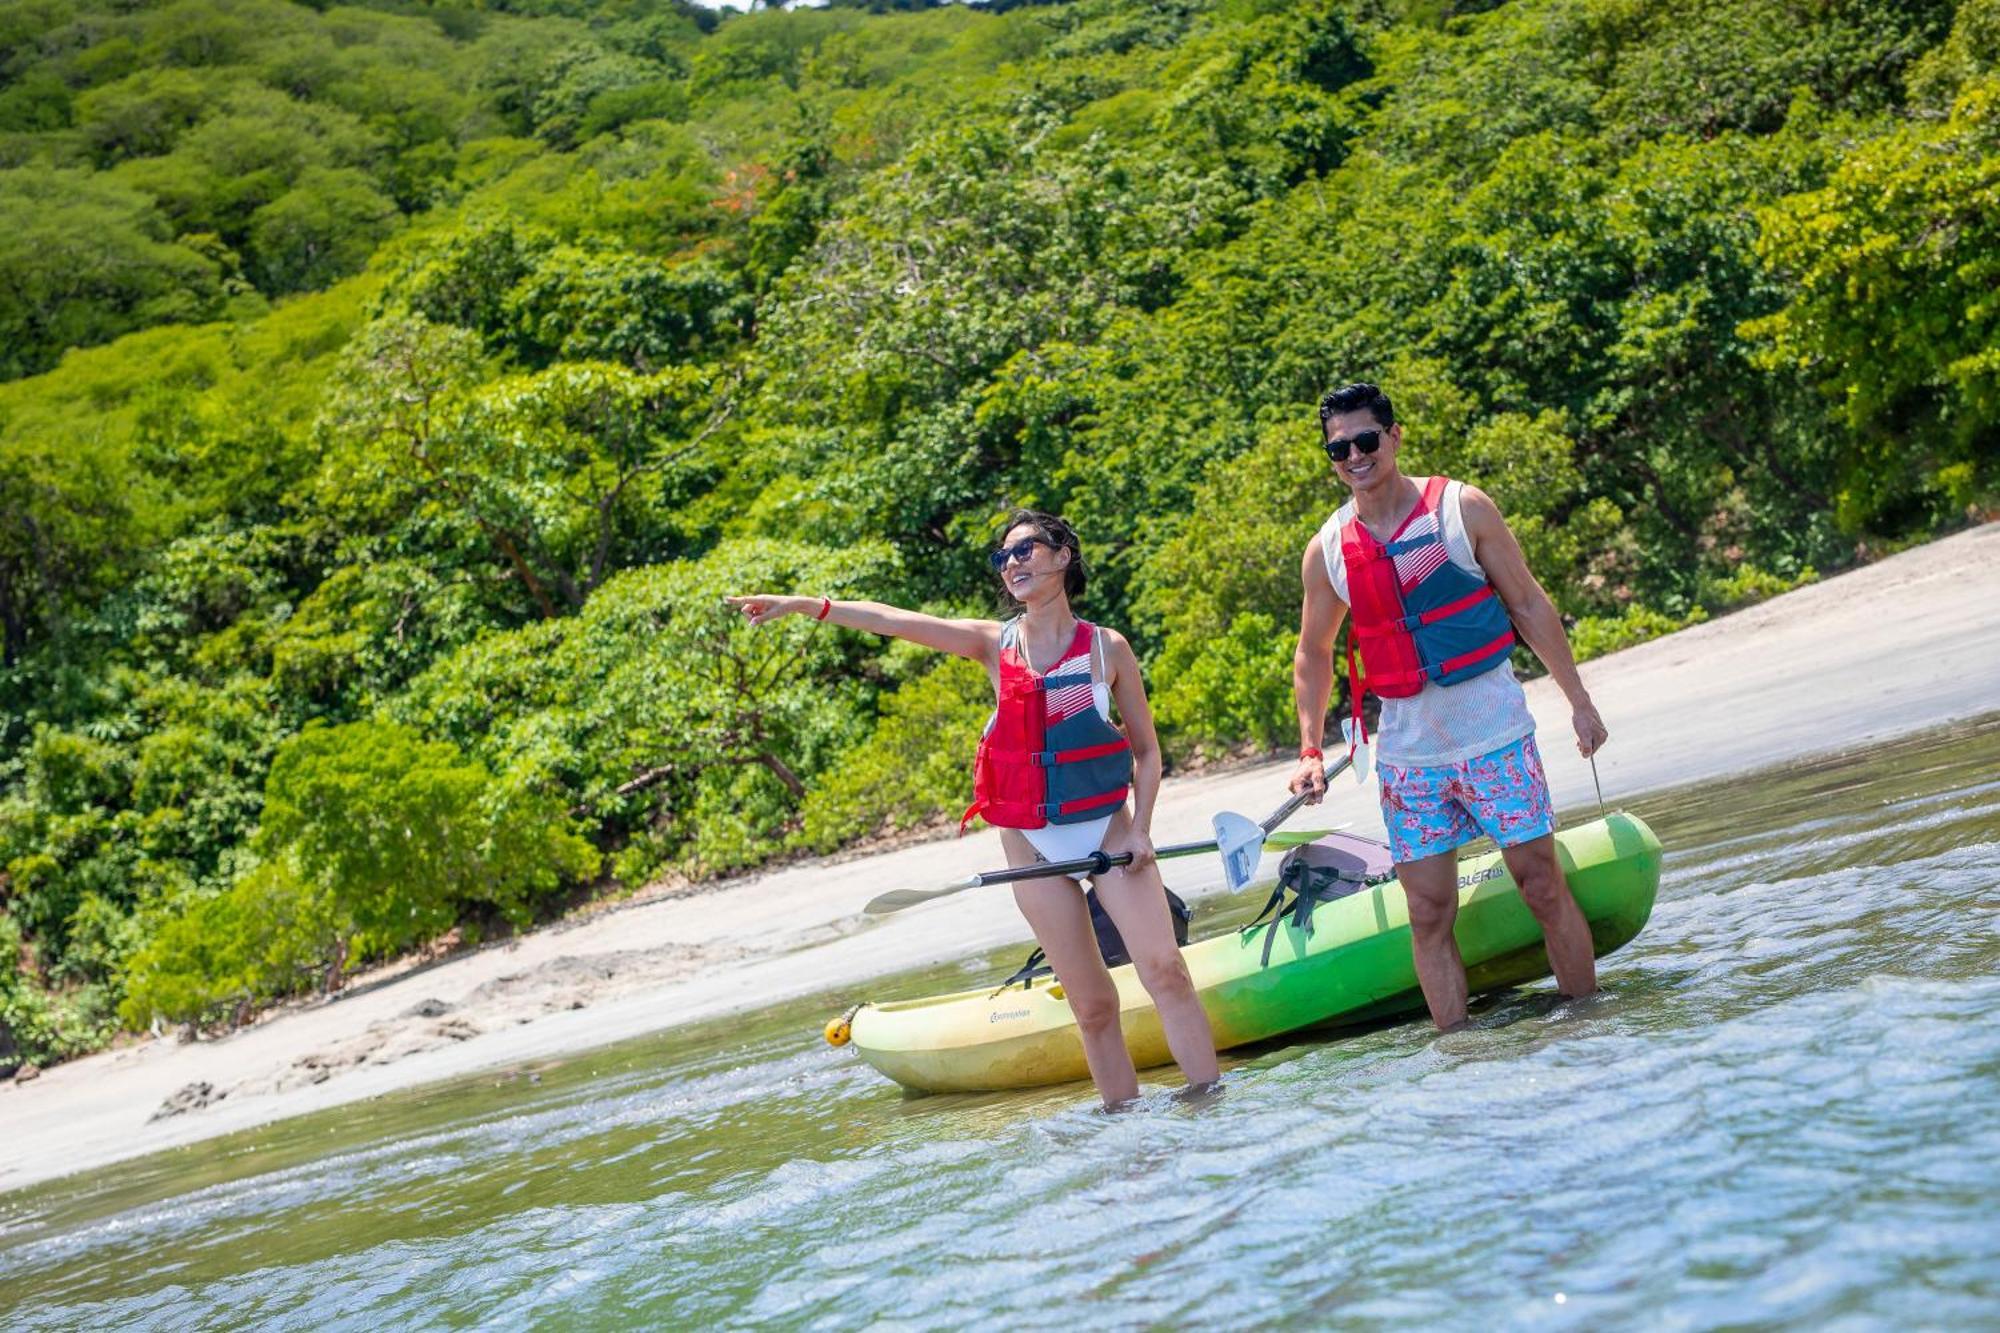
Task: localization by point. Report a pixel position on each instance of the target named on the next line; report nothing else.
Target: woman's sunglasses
(1367, 441)
(1020, 550)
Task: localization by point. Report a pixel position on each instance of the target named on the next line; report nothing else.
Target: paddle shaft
(1099, 862)
(1341, 765)
(1095, 864)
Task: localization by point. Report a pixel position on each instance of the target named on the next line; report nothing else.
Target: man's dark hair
(1059, 535)
(1353, 398)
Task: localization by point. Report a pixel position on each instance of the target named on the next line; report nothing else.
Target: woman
(1053, 773)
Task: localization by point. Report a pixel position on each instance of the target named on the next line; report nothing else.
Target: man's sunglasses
(1367, 441)
(1020, 550)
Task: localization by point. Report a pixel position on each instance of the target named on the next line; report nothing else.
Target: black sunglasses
(1020, 550)
(1367, 441)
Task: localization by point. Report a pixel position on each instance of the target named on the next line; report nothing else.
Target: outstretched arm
(976, 639)
(1534, 615)
(1320, 618)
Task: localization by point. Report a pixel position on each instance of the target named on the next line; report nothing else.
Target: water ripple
(1785, 1110)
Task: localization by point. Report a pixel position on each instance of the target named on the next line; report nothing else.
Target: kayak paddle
(1240, 841)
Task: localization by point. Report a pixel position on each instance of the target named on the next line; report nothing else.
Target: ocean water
(1783, 1111)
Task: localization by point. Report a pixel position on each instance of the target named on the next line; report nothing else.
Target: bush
(652, 704)
(378, 840)
(68, 774)
(915, 767)
(1594, 636)
(44, 1026)
(270, 934)
(1228, 690)
(1751, 584)
(403, 833)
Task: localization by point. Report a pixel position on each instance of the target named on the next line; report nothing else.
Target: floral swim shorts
(1504, 795)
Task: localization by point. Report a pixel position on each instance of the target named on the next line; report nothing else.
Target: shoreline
(1900, 646)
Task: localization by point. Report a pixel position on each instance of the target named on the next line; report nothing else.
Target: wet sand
(1900, 646)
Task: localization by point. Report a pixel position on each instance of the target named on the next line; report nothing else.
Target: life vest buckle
(1042, 758)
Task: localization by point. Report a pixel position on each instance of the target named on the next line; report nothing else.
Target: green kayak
(1352, 966)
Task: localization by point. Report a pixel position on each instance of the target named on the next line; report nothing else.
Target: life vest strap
(1393, 680)
(1050, 758)
(1480, 654)
(1359, 735)
(1082, 803)
(1451, 608)
(1436, 670)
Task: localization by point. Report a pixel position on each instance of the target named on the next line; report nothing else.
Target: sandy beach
(1905, 644)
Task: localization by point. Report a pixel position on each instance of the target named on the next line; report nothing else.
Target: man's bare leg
(1539, 874)
(1431, 886)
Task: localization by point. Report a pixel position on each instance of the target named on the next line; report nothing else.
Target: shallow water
(1784, 1110)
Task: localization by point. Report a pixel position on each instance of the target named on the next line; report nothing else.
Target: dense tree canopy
(389, 394)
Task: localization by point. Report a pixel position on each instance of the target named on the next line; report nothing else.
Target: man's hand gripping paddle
(1240, 841)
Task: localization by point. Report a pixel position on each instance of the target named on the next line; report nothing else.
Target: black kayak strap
(1036, 965)
(1310, 886)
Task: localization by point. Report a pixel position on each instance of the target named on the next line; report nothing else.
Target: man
(1438, 589)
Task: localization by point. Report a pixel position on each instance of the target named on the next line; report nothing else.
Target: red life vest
(1417, 617)
(1047, 759)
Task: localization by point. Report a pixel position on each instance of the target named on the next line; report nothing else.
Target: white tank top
(1440, 724)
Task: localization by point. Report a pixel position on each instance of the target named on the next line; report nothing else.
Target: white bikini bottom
(1068, 842)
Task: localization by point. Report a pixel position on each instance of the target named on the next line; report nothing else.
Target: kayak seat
(1320, 872)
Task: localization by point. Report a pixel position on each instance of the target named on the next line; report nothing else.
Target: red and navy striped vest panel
(1047, 757)
(1089, 761)
(1417, 617)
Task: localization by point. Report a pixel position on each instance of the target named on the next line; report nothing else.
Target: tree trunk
(783, 774)
(335, 968)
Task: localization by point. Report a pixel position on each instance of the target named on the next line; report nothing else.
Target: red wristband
(825, 608)
(1311, 752)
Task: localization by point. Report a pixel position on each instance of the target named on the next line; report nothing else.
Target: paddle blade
(895, 900)
(1358, 748)
(1241, 843)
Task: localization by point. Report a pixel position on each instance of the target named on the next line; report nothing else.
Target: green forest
(390, 391)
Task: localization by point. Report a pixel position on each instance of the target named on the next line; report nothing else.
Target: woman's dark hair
(1057, 534)
(1355, 397)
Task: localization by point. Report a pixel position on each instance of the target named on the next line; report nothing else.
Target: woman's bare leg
(1137, 904)
(1056, 912)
